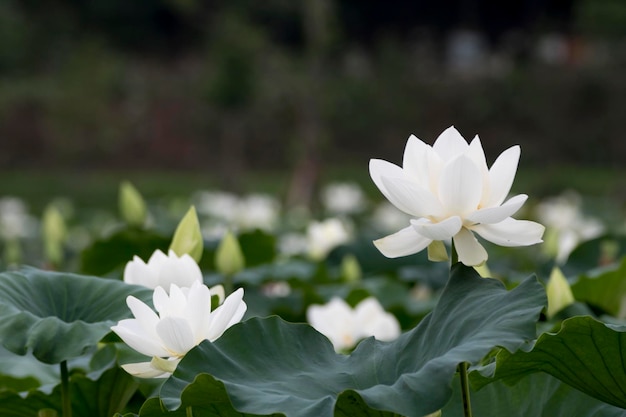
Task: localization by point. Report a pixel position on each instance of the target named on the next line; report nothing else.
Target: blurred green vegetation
(99, 189)
(227, 89)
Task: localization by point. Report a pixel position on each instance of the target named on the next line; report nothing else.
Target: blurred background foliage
(227, 89)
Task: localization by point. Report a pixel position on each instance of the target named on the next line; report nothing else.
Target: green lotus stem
(189, 411)
(65, 390)
(465, 392)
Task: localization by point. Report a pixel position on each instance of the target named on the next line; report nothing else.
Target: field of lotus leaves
(236, 305)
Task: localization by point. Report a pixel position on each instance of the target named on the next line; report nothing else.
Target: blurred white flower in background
(386, 218)
(291, 244)
(324, 236)
(257, 211)
(343, 198)
(162, 270)
(566, 224)
(218, 204)
(15, 221)
(228, 211)
(345, 326)
(450, 193)
(183, 321)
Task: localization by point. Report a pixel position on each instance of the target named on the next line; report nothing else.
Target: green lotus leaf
(603, 289)
(537, 395)
(587, 354)
(101, 398)
(58, 316)
(270, 366)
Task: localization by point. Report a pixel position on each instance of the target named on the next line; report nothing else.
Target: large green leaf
(587, 354)
(537, 395)
(271, 366)
(59, 316)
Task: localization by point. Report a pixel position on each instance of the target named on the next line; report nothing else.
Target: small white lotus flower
(184, 320)
(451, 194)
(343, 198)
(163, 270)
(324, 236)
(566, 224)
(345, 326)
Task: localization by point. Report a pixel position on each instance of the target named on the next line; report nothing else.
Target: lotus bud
(132, 205)
(350, 269)
(54, 233)
(188, 237)
(559, 293)
(229, 258)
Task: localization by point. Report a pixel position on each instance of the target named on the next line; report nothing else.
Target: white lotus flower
(566, 224)
(345, 326)
(163, 270)
(184, 320)
(343, 198)
(450, 193)
(324, 236)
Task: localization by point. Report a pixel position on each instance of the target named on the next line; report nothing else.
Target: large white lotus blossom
(161, 270)
(450, 192)
(345, 326)
(182, 320)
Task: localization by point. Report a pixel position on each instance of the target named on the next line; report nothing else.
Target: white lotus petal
(511, 232)
(411, 198)
(176, 334)
(237, 315)
(470, 251)
(379, 168)
(450, 144)
(415, 161)
(198, 312)
(324, 318)
(160, 300)
(177, 301)
(144, 316)
(131, 332)
(460, 186)
(442, 230)
(385, 327)
(137, 272)
(182, 271)
(226, 315)
(144, 370)
(492, 215)
(157, 258)
(336, 321)
(477, 154)
(405, 242)
(218, 291)
(501, 176)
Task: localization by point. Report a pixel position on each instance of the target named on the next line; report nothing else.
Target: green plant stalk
(465, 392)
(189, 411)
(65, 390)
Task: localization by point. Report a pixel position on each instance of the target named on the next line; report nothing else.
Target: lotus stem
(189, 411)
(465, 392)
(65, 390)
